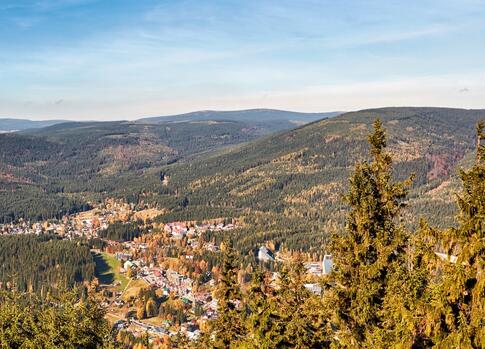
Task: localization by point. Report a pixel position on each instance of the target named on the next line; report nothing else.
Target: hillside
(42, 171)
(285, 187)
(288, 187)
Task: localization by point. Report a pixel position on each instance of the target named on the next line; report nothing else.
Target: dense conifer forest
(43, 263)
(288, 188)
(48, 172)
(119, 231)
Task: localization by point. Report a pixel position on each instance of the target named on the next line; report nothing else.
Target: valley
(153, 207)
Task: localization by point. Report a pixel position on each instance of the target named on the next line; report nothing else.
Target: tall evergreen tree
(28, 321)
(262, 321)
(227, 330)
(369, 251)
(299, 313)
(458, 319)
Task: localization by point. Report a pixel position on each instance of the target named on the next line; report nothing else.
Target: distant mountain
(262, 121)
(249, 115)
(10, 124)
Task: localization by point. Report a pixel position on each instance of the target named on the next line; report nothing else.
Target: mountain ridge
(298, 177)
(259, 114)
(14, 124)
(10, 124)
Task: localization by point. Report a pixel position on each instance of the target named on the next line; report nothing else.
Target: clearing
(108, 270)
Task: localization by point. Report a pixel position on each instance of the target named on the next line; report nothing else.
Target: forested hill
(50, 171)
(285, 186)
(289, 186)
(274, 116)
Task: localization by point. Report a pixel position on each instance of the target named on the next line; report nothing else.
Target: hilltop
(57, 169)
(282, 117)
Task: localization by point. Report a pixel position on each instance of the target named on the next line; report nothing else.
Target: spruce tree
(227, 330)
(458, 317)
(369, 251)
(406, 304)
(301, 320)
(65, 321)
(262, 321)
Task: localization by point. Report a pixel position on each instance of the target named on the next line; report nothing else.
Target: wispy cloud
(135, 57)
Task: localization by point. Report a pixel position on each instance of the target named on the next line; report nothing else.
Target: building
(327, 264)
(265, 255)
(314, 288)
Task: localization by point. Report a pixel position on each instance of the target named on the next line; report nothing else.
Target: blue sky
(124, 59)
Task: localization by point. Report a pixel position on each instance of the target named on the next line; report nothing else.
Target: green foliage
(369, 251)
(27, 321)
(227, 330)
(33, 262)
(119, 231)
(458, 317)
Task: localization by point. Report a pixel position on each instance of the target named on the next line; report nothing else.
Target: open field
(108, 270)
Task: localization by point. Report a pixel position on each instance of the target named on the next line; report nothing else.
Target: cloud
(464, 90)
(26, 22)
(437, 91)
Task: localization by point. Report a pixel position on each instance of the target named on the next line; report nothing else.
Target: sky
(126, 59)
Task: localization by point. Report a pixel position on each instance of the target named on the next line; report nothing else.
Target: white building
(265, 255)
(327, 264)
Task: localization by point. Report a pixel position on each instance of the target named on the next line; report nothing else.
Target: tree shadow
(103, 270)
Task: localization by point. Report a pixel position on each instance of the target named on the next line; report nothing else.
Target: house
(314, 288)
(123, 256)
(447, 257)
(314, 268)
(265, 255)
(127, 265)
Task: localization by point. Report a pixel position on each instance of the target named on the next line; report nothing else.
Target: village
(130, 271)
(160, 283)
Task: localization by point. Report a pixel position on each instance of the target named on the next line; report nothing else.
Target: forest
(119, 231)
(43, 263)
(288, 187)
(56, 170)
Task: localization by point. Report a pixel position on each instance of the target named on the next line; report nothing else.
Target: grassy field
(108, 270)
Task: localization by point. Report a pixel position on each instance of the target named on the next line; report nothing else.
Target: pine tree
(458, 319)
(369, 251)
(300, 319)
(227, 330)
(406, 304)
(27, 321)
(263, 323)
